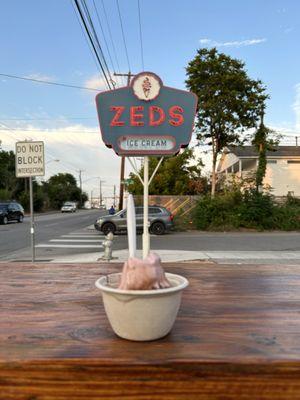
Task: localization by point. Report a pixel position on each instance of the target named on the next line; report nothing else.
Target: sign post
(30, 161)
(144, 119)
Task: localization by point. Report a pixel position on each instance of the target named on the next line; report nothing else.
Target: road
(72, 236)
(50, 230)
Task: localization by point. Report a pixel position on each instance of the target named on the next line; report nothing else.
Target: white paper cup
(141, 315)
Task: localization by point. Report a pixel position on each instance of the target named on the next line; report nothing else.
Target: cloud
(97, 82)
(235, 43)
(40, 77)
(77, 147)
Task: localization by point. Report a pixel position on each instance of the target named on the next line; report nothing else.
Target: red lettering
(153, 111)
(116, 119)
(134, 117)
(177, 119)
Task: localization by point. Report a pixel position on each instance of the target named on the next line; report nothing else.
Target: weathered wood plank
(236, 336)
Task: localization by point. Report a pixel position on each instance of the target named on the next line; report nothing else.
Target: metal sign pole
(31, 220)
(146, 236)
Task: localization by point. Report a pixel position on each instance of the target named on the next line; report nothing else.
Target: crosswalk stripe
(85, 233)
(83, 236)
(77, 240)
(75, 246)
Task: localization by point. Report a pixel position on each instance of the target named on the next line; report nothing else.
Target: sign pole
(146, 236)
(31, 220)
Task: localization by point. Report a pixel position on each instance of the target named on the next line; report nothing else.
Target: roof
(250, 151)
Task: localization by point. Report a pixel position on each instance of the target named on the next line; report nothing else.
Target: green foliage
(25, 201)
(229, 101)
(263, 141)
(8, 180)
(256, 210)
(4, 194)
(292, 201)
(61, 188)
(218, 212)
(251, 210)
(38, 198)
(183, 221)
(178, 175)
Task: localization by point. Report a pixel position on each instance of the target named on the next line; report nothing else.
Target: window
(154, 210)
(271, 161)
(293, 161)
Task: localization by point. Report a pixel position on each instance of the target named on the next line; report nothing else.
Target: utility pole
(80, 184)
(122, 172)
(100, 188)
(114, 195)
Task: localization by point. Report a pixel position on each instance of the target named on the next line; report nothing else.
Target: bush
(257, 210)
(5, 195)
(287, 217)
(251, 210)
(218, 212)
(38, 200)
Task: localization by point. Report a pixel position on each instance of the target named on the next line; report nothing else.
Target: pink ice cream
(144, 274)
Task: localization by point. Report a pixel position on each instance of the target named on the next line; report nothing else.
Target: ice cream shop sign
(146, 118)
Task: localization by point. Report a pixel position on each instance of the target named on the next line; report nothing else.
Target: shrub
(217, 212)
(251, 209)
(256, 210)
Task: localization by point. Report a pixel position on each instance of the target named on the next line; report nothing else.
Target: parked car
(11, 211)
(68, 206)
(160, 219)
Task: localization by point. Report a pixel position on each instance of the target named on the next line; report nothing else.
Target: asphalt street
(15, 237)
(73, 236)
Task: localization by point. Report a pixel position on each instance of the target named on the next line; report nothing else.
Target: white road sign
(30, 160)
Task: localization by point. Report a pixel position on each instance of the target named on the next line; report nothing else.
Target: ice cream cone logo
(146, 86)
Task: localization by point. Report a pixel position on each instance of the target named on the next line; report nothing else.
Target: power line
(123, 34)
(40, 130)
(110, 36)
(97, 42)
(91, 41)
(141, 37)
(47, 119)
(103, 34)
(85, 38)
(48, 82)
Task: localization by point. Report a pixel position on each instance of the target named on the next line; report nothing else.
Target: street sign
(30, 160)
(127, 182)
(146, 118)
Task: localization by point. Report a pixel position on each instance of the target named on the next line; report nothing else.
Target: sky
(42, 39)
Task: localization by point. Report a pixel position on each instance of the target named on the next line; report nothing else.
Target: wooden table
(237, 336)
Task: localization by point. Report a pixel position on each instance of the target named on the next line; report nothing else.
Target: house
(283, 167)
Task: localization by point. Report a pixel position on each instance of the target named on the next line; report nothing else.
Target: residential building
(283, 167)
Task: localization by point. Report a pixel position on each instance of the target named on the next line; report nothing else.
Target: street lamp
(54, 160)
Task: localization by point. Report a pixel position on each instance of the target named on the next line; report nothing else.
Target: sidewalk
(220, 257)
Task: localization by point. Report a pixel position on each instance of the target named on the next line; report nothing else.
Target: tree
(10, 186)
(229, 101)
(178, 175)
(263, 142)
(61, 188)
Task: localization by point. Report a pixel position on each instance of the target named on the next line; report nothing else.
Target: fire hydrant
(107, 244)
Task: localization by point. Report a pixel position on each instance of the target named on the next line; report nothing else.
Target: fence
(184, 204)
